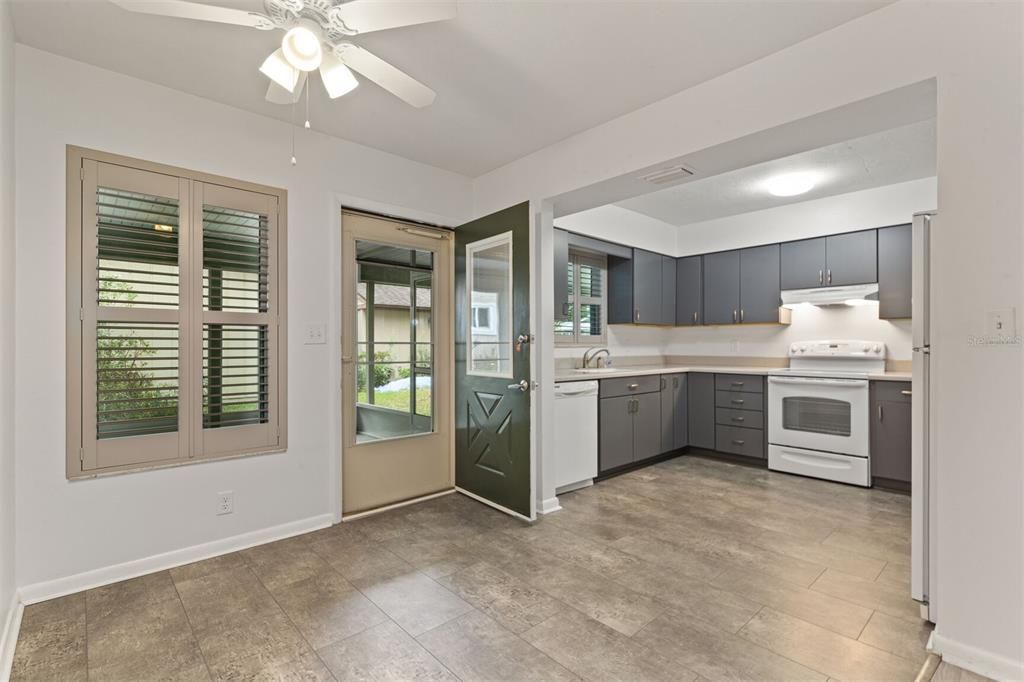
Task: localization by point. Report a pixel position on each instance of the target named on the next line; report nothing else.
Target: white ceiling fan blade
(364, 16)
(395, 81)
(195, 10)
(337, 78)
(277, 94)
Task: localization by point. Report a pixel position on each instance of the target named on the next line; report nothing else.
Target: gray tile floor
(689, 569)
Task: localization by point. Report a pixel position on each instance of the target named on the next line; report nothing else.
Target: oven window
(816, 415)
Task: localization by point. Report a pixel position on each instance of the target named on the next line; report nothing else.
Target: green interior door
(492, 362)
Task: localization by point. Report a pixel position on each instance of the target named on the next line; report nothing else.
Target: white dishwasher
(575, 434)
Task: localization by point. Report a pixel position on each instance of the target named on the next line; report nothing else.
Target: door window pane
(489, 269)
(394, 344)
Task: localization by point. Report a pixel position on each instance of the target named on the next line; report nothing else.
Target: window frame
(190, 315)
(578, 257)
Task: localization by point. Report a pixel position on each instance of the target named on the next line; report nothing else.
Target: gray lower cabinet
(700, 410)
(891, 432)
(722, 287)
(803, 264)
(760, 296)
(895, 261)
(689, 286)
(615, 432)
(673, 412)
(852, 258)
(740, 414)
(629, 421)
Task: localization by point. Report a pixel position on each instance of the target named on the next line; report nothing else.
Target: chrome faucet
(589, 357)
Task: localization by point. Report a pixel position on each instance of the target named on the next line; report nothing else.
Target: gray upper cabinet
(668, 291)
(620, 290)
(646, 287)
(759, 284)
(561, 254)
(700, 410)
(803, 264)
(895, 260)
(852, 258)
(722, 287)
(688, 291)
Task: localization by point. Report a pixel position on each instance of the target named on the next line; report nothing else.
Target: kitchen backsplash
(632, 343)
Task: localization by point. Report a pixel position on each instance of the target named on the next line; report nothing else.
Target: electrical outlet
(316, 334)
(225, 502)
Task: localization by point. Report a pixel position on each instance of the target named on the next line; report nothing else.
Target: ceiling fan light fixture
(301, 46)
(338, 79)
(276, 68)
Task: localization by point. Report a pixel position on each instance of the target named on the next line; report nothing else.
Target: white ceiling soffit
(885, 158)
(511, 76)
(885, 112)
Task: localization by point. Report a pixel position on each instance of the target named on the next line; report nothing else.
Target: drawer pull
(738, 401)
(633, 387)
(739, 419)
(736, 441)
(907, 392)
(737, 383)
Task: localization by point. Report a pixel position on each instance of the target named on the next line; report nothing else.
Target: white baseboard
(51, 589)
(977, 660)
(549, 505)
(9, 638)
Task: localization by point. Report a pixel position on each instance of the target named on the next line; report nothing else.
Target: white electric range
(818, 410)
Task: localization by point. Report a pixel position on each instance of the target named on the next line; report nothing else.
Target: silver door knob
(523, 386)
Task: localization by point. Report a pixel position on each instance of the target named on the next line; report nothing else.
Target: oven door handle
(848, 383)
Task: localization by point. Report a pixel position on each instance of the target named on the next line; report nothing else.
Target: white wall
(616, 224)
(973, 50)
(888, 205)
(68, 528)
(7, 464)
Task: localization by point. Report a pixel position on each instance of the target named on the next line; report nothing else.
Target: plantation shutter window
(588, 301)
(175, 316)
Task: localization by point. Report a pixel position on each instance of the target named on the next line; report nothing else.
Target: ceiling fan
(318, 36)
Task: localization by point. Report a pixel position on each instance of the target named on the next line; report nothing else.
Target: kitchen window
(588, 301)
(176, 316)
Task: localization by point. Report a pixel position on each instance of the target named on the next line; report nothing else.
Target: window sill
(138, 468)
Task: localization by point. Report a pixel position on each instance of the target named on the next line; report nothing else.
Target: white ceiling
(512, 76)
(883, 158)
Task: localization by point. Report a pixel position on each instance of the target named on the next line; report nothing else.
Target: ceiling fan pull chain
(307, 108)
(291, 124)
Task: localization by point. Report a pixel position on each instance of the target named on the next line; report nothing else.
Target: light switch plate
(315, 334)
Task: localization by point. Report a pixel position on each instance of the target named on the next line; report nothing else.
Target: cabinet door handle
(830, 275)
(907, 392)
(736, 441)
(880, 415)
(821, 277)
(739, 419)
(738, 401)
(675, 382)
(695, 317)
(741, 314)
(636, 316)
(734, 316)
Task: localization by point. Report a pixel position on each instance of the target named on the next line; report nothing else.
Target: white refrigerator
(923, 465)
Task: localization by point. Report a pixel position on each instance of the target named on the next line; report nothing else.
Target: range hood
(849, 295)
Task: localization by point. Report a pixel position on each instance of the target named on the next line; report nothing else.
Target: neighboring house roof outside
(390, 296)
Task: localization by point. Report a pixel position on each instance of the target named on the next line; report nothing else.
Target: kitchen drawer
(740, 401)
(745, 418)
(611, 388)
(891, 390)
(739, 382)
(739, 441)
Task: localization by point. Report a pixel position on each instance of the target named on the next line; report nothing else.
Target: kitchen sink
(595, 370)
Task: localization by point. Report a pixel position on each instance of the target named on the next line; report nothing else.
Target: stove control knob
(877, 349)
(865, 348)
(803, 349)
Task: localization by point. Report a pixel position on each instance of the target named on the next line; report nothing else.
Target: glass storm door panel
(394, 349)
(493, 460)
(396, 362)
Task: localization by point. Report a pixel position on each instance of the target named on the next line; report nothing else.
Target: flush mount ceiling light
(791, 184)
(318, 34)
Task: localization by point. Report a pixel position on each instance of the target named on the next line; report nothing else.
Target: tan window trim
(262, 434)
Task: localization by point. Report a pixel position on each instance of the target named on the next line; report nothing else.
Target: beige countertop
(563, 375)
